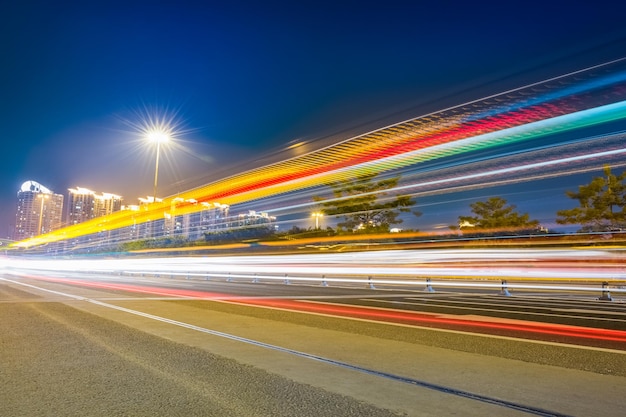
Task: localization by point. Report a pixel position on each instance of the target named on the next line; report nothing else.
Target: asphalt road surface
(69, 350)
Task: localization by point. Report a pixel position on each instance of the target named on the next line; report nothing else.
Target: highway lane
(525, 270)
(436, 371)
(577, 320)
(59, 361)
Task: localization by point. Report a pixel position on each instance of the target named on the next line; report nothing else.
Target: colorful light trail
(566, 104)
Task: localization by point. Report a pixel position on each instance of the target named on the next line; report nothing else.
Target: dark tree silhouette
(602, 204)
(495, 215)
(365, 205)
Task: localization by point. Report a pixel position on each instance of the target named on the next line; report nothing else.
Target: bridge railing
(489, 284)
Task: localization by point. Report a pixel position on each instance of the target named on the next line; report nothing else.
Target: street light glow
(155, 127)
(158, 136)
(317, 216)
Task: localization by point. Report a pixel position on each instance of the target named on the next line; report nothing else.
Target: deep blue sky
(246, 78)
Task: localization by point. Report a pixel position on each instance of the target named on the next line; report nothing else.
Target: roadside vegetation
(368, 207)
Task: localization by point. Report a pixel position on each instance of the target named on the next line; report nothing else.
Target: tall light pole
(158, 137)
(317, 216)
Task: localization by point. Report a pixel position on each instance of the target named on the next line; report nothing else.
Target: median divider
(381, 282)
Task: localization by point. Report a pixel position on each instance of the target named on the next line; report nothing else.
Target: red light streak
(420, 318)
(365, 313)
(169, 292)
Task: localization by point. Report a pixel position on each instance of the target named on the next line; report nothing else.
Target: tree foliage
(495, 214)
(602, 204)
(155, 243)
(238, 234)
(365, 206)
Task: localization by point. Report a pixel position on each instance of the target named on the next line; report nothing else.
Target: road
(77, 344)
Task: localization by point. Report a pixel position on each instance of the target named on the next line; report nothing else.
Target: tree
(602, 204)
(238, 234)
(364, 204)
(494, 214)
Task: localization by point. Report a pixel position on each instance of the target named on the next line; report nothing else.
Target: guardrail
(595, 271)
(502, 286)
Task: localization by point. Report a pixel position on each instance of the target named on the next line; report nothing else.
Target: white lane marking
(495, 310)
(515, 339)
(523, 301)
(233, 337)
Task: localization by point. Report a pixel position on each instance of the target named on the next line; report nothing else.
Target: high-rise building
(106, 203)
(80, 205)
(84, 204)
(153, 228)
(39, 211)
(185, 218)
(254, 218)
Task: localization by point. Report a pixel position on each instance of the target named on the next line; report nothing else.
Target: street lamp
(317, 216)
(158, 137)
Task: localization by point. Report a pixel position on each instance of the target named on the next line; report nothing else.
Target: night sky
(245, 79)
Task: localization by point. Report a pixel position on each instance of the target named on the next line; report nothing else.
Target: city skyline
(41, 210)
(55, 211)
(244, 88)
